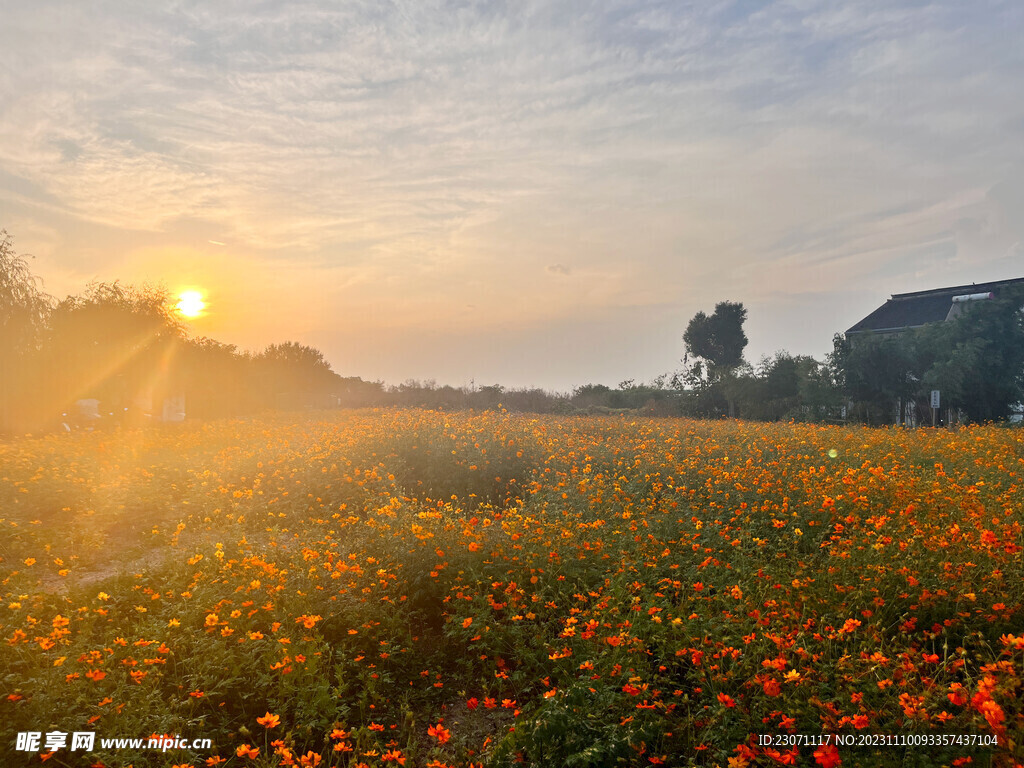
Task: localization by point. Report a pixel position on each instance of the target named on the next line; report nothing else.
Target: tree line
(127, 348)
(975, 361)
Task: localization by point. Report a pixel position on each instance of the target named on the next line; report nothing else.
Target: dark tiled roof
(909, 310)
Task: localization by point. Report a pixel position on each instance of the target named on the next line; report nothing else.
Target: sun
(190, 303)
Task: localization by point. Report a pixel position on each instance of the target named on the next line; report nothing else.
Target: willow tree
(23, 313)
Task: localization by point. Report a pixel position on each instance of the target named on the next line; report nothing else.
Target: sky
(524, 193)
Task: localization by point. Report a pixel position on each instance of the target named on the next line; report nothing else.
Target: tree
(297, 376)
(23, 306)
(821, 397)
(116, 343)
(591, 395)
(977, 360)
(880, 372)
(718, 340)
(23, 312)
(218, 380)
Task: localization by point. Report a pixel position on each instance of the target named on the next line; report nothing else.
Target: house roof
(911, 310)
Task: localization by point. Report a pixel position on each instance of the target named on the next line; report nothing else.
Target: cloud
(410, 158)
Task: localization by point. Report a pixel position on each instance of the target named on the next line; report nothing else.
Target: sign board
(935, 398)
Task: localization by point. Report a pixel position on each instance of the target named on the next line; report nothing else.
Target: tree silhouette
(118, 344)
(297, 376)
(23, 312)
(718, 340)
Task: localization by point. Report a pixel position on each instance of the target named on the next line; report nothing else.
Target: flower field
(383, 588)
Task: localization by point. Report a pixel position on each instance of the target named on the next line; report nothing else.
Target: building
(906, 311)
(912, 310)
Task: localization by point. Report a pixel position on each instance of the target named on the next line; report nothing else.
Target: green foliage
(574, 729)
(879, 371)
(978, 358)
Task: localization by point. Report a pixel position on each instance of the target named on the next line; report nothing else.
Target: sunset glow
(467, 193)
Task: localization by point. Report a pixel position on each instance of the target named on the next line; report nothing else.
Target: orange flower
(827, 756)
(993, 713)
(247, 750)
(783, 758)
(269, 721)
(440, 733)
(957, 698)
(310, 760)
(467, 622)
